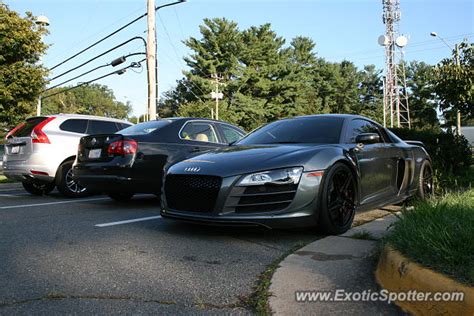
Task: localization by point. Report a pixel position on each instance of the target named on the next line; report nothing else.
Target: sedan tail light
(123, 147)
(37, 135)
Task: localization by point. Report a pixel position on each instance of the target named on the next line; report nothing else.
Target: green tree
(94, 99)
(422, 98)
(454, 82)
(21, 75)
(370, 93)
(265, 80)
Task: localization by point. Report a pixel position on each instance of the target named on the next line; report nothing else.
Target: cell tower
(395, 96)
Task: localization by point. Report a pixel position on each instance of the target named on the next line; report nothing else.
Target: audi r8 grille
(266, 198)
(192, 192)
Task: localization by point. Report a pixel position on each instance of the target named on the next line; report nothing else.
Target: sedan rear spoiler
(415, 142)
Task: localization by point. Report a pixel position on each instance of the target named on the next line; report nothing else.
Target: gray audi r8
(305, 171)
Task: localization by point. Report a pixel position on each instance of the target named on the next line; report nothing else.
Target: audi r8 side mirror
(368, 138)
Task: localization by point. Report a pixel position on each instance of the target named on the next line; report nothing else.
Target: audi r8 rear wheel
(338, 200)
(425, 184)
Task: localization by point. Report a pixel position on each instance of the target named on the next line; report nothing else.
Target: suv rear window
(74, 125)
(27, 128)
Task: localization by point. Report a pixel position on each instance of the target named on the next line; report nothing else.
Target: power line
(414, 44)
(99, 41)
(101, 31)
(112, 34)
(116, 72)
(100, 55)
(92, 70)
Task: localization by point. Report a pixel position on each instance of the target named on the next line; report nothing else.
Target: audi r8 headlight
(280, 176)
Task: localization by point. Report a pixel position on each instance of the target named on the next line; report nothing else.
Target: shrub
(450, 153)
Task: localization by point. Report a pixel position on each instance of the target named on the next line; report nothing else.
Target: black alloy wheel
(338, 200)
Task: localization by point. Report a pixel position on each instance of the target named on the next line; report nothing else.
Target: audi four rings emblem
(192, 169)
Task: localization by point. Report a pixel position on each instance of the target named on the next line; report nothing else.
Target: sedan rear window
(145, 127)
(313, 130)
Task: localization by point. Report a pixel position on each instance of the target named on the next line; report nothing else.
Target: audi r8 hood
(236, 160)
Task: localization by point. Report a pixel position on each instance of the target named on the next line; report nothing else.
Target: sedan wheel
(38, 188)
(338, 201)
(121, 196)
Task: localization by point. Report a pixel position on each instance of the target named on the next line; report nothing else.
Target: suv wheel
(66, 184)
(38, 188)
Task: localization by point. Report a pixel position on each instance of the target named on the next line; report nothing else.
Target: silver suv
(40, 151)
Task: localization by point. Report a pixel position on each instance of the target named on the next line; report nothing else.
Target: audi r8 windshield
(311, 130)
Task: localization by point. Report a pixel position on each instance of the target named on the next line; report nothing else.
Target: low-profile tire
(121, 196)
(425, 182)
(38, 188)
(67, 186)
(338, 200)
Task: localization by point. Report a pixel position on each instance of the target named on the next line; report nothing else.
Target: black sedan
(304, 171)
(132, 160)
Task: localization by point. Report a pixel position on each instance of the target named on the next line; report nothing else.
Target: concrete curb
(329, 264)
(396, 273)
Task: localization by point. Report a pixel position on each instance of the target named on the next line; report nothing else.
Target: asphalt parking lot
(94, 255)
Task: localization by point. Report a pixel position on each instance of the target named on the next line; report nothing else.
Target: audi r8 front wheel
(338, 200)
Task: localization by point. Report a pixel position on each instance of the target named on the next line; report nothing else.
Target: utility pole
(458, 114)
(151, 60)
(44, 22)
(457, 64)
(216, 94)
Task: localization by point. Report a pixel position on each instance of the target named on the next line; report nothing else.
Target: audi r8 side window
(358, 127)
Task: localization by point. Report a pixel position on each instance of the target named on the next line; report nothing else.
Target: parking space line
(11, 190)
(14, 195)
(128, 221)
(53, 203)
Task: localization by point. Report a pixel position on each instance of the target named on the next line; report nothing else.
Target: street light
(456, 62)
(41, 21)
(434, 34)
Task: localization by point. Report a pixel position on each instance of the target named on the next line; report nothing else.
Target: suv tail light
(15, 129)
(123, 147)
(37, 135)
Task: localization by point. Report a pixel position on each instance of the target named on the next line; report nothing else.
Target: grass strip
(439, 234)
